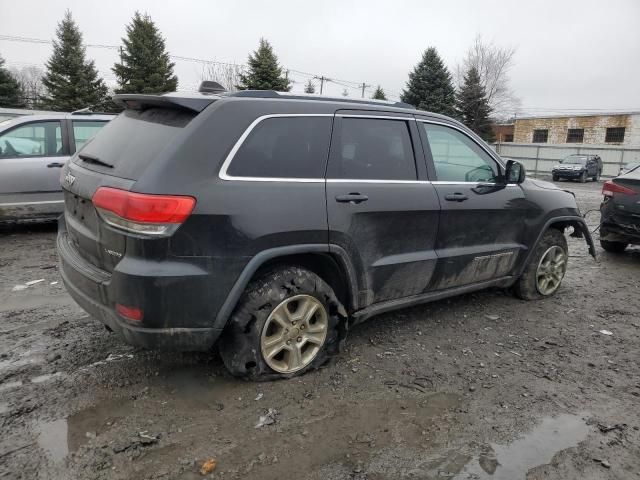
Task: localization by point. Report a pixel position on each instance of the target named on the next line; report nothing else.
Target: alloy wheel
(294, 333)
(551, 270)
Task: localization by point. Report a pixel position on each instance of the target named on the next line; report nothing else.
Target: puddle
(44, 378)
(59, 437)
(9, 385)
(52, 437)
(514, 460)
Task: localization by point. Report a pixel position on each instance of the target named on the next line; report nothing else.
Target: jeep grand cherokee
(269, 223)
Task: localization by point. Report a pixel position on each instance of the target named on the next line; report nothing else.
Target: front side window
(372, 149)
(36, 139)
(457, 158)
(284, 147)
(84, 130)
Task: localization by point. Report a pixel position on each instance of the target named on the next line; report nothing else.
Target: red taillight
(130, 313)
(141, 212)
(609, 188)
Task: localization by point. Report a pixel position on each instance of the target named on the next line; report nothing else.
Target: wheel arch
(331, 263)
(580, 230)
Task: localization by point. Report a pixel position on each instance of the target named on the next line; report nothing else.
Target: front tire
(546, 268)
(583, 177)
(287, 322)
(555, 178)
(613, 247)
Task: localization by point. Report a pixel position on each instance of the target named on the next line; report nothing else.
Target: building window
(540, 136)
(575, 135)
(508, 137)
(614, 135)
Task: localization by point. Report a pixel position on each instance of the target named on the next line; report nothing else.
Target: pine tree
(264, 73)
(310, 87)
(430, 87)
(145, 66)
(379, 94)
(71, 81)
(11, 95)
(473, 107)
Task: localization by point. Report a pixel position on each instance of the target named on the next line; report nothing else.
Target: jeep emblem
(69, 179)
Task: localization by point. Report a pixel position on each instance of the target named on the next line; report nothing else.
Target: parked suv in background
(578, 167)
(270, 223)
(620, 212)
(33, 149)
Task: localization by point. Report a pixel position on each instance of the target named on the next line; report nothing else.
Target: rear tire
(613, 247)
(552, 244)
(287, 322)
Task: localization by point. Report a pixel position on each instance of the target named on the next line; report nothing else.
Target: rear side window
(36, 139)
(84, 130)
(133, 140)
(372, 149)
(284, 147)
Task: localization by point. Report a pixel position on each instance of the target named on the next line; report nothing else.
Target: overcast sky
(570, 54)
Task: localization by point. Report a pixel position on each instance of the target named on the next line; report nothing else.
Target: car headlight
(578, 167)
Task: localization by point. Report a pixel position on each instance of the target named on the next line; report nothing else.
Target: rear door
(31, 155)
(381, 208)
(481, 220)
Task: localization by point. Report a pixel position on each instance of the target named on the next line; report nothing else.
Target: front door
(380, 207)
(31, 157)
(481, 219)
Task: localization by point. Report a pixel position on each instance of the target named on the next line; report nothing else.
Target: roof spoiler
(137, 101)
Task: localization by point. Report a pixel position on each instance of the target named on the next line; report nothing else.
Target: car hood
(543, 184)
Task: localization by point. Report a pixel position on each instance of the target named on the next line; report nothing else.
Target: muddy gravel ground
(483, 386)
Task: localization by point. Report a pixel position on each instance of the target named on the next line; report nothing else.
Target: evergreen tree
(145, 66)
(310, 87)
(71, 81)
(11, 95)
(264, 73)
(430, 86)
(379, 94)
(473, 107)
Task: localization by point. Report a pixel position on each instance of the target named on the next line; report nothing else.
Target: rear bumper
(619, 227)
(96, 292)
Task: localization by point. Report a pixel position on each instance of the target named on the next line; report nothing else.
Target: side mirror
(515, 172)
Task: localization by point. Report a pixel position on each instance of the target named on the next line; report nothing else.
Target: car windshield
(574, 160)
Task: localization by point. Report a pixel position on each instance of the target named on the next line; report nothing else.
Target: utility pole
(322, 80)
(364, 85)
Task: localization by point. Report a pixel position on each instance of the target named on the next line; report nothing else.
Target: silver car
(33, 148)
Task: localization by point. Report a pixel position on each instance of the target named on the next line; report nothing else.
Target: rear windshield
(131, 141)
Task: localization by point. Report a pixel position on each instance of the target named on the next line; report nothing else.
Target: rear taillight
(609, 188)
(146, 214)
(130, 313)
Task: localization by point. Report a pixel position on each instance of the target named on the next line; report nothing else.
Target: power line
(345, 83)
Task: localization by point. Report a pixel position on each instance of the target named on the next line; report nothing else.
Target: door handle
(456, 197)
(55, 165)
(352, 198)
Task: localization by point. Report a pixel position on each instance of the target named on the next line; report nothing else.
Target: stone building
(615, 129)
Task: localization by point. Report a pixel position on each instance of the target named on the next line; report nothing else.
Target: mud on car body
(268, 223)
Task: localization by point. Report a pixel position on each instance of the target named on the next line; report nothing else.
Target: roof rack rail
(88, 111)
(322, 98)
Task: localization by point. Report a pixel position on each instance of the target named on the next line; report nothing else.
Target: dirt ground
(483, 386)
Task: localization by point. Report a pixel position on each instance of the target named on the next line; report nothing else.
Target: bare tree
(493, 64)
(30, 80)
(226, 74)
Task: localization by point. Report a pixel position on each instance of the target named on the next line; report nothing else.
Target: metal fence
(540, 159)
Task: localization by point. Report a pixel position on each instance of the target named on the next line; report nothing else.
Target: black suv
(269, 223)
(578, 167)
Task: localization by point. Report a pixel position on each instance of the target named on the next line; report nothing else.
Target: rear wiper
(91, 159)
